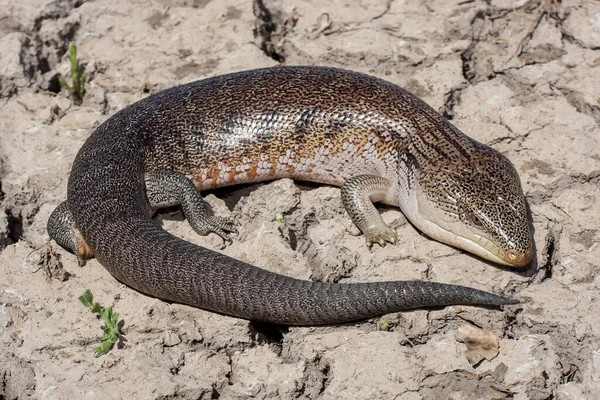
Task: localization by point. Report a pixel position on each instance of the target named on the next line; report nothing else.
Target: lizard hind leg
(167, 188)
(61, 227)
(358, 195)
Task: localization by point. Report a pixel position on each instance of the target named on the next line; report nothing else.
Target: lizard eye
(476, 221)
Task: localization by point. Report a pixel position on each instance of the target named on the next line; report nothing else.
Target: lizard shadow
(272, 333)
(232, 195)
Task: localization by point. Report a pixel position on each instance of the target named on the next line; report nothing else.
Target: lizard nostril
(518, 259)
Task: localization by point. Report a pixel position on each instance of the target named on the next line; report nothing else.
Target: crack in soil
(576, 100)
(388, 5)
(551, 253)
(467, 56)
(14, 226)
(452, 99)
(564, 183)
(264, 30)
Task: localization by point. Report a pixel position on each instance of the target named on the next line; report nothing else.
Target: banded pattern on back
(341, 127)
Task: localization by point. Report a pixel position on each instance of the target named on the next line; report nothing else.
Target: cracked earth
(522, 76)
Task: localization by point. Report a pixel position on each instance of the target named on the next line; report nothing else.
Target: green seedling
(384, 326)
(109, 321)
(77, 89)
(284, 231)
(279, 218)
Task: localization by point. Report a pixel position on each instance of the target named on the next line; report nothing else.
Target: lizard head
(476, 203)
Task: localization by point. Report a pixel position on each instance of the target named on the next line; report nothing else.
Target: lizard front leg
(358, 195)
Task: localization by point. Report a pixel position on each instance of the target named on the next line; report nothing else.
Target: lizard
(376, 141)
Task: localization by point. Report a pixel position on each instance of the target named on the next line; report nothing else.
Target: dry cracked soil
(521, 76)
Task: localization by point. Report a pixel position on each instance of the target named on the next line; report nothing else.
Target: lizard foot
(381, 237)
(222, 226)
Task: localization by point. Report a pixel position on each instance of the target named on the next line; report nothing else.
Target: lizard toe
(381, 237)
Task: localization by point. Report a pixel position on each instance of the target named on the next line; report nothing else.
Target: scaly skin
(317, 124)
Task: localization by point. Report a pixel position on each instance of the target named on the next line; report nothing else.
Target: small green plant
(279, 218)
(283, 229)
(109, 321)
(384, 326)
(77, 89)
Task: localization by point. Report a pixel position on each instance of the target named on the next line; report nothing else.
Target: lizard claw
(222, 226)
(381, 237)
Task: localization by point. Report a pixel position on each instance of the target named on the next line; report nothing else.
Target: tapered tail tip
(485, 298)
(507, 301)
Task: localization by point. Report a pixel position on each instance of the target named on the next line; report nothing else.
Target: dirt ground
(521, 76)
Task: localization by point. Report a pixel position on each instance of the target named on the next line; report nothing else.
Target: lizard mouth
(478, 245)
(491, 252)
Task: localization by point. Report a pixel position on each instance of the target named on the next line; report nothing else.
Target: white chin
(445, 236)
(488, 255)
